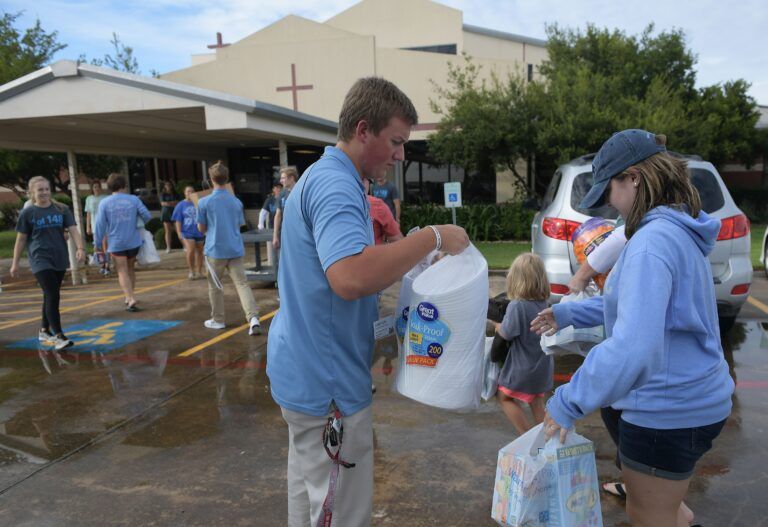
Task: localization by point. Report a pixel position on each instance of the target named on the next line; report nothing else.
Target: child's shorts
(525, 397)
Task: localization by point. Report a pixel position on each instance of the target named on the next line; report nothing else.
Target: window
(530, 72)
(581, 185)
(705, 182)
(447, 49)
(549, 196)
(709, 189)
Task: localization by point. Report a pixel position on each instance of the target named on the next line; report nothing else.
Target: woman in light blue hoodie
(661, 364)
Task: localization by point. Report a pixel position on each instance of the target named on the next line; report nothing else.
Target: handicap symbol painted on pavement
(105, 335)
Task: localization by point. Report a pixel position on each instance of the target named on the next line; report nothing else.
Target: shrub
(64, 199)
(154, 225)
(9, 214)
(491, 222)
(753, 202)
(160, 240)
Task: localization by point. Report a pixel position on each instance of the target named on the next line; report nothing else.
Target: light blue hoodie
(661, 364)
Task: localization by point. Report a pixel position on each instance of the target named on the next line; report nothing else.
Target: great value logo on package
(427, 335)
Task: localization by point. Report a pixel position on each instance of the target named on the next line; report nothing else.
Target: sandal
(132, 307)
(615, 489)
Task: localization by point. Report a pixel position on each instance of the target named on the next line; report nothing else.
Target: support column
(204, 166)
(156, 167)
(399, 181)
(283, 153)
(127, 173)
(78, 214)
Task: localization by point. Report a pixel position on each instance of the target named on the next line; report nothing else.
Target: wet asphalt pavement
(154, 420)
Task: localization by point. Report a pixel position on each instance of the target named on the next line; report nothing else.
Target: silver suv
(560, 214)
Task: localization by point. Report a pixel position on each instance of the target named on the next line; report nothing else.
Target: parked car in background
(560, 215)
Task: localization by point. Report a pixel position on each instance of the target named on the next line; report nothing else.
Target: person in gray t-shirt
(41, 229)
(527, 372)
(387, 192)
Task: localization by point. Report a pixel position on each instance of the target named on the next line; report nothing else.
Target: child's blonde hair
(527, 278)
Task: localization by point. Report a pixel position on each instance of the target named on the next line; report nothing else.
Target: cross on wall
(295, 88)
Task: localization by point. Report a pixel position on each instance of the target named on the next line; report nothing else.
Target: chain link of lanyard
(332, 436)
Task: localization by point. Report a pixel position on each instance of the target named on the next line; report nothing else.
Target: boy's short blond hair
(527, 278)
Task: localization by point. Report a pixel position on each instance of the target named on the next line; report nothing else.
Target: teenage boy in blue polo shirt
(321, 341)
(219, 217)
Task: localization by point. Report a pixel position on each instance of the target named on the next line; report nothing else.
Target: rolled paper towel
(442, 360)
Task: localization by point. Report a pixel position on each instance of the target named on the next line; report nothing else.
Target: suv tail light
(559, 228)
(559, 289)
(734, 227)
(741, 289)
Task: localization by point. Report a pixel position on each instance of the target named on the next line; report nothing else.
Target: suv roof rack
(692, 157)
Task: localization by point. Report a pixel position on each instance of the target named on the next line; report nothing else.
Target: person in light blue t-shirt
(321, 340)
(116, 220)
(185, 218)
(669, 382)
(219, 218)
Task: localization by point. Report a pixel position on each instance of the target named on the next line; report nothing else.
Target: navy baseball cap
(621, 151)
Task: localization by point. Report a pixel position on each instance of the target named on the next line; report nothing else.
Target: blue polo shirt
(320, 346)
(222, 214)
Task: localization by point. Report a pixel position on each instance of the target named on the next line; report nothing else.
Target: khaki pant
(237, 273)
(309, 470)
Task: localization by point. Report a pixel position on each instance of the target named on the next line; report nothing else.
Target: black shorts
(166, 214)
(669, 454)
(130, 253)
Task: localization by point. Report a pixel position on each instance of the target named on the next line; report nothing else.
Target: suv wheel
(765, 261)
(726, 323)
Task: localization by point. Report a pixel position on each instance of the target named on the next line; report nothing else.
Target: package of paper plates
(404, 298)
(442, 360)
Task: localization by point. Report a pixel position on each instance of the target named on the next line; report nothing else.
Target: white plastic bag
(442, 360)
(547, 483)
(491, 372)
(570, 340)
(147, 253)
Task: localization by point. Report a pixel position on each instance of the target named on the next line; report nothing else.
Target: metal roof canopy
(87, 109)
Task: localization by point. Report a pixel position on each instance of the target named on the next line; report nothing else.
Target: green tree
(122, 60)
(596, 82)
(22, 53)
(486, 124)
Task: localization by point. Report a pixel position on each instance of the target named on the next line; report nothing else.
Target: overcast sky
(730, 39)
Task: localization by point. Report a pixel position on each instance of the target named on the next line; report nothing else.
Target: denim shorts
(669, 454)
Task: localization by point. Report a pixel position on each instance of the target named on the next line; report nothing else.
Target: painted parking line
(223, 336)
(40, 301)
(759, 305)
(97, 302)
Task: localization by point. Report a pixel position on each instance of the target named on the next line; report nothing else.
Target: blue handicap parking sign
(105, 335)
(453, 197)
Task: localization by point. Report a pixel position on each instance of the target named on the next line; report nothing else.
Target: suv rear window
(581, 185)
(705, 182)
(709, 189)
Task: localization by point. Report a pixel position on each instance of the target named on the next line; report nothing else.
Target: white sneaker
(44, 335)
(61, 342)
(191, 276)
(168, 250)
(255, 328)
(212, 324)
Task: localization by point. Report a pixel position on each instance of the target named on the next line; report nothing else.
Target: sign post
(452, 193)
